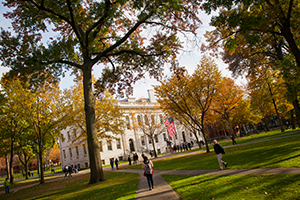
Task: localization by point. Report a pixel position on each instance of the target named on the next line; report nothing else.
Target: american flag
(171, 126)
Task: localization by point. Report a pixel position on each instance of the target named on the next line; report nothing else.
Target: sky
(189, 59)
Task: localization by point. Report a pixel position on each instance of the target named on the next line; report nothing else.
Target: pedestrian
(219, 150)
(148, 171)
(32, 173)
(143, 155)
(129, 160)
(151, 153)
(70, 170)
(76, 168)
(233, 140)
(6, 185)
(117, 163)
(66, 170)
(137, 158)
(112, 163)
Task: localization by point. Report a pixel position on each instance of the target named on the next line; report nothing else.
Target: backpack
(147, 169)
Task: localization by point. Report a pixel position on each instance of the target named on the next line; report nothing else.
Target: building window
(161, 119)
(109, 146)
(100, 146)
(69, 137)
(158, 151)
(118, 144)
(64, 152)
(103, 162)
(77, 152)
(150, 141)
(156, 138)
(120, 158)
(146, 120)
(153, 120)
(62, 137)
(191, 135)
(165, 137)
(139, 120)
(143, 140)
(70, 150)
(84, 149)
(127, 122)
(86, 165)
(176, 136)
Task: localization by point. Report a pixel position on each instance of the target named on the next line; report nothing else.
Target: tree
(146, 119)
(41, 115)
(244, 114)
(271, 23)
(255, 32)
(226, 102)
(95, 32)
(190, 97)
(54, 154)
(271, 88)
(13, 125)
(25, 154)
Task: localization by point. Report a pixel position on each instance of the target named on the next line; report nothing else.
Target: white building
(132, 141)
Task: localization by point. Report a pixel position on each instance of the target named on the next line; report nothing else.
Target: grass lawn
(273, 187)
(119, 186)
(269, 154)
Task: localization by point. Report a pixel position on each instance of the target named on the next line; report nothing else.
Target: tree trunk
(266, 124)
(276, 109)
(203, 132)
(197, 139)
(26, 165)
(40, 155)
(297, 111)
(92, 139)
(288, 35)
(11, 169)
(292, 119)
(154, 150)
(7, 167)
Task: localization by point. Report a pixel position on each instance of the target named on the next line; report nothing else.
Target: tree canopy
(125, 39)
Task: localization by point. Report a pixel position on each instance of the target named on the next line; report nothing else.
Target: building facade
(132, 141)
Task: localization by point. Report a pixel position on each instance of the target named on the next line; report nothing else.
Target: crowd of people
(185, 146)
(70, 169)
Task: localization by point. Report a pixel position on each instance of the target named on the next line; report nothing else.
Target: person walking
(129, 160)
(76, 168)
(6, 185)
(233, 140)
(148, 171)
(117, 163)
(70, 170)
(112, 163)
(219, 150)
(66, 171)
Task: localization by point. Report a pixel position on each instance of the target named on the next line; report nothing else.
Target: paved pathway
(163, 191)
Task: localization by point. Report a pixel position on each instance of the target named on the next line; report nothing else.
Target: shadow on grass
(235, 187)
(117, 186)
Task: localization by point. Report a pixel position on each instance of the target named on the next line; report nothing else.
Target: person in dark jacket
(219, 152)
(117, 163)
(129, 160)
